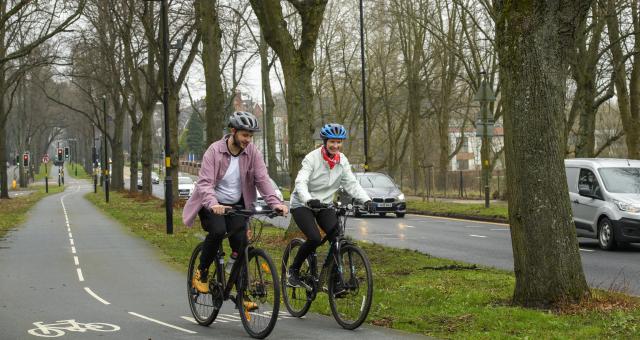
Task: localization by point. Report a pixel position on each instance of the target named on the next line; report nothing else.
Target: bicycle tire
(259, 322)
(297, 300)
(203, 307)
(352, 307)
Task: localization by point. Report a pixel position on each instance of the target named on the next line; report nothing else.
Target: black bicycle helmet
(242, 120)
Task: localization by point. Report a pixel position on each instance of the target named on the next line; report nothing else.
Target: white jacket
(316, 180)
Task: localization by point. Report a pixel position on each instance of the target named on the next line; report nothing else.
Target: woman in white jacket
(323, 171)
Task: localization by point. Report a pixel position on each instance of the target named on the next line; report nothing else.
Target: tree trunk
(628, 105)
(532, 47)
(134, 156)
(174, 112)
(117, 156)
(209, 27)
(147, 128)
(269, 106)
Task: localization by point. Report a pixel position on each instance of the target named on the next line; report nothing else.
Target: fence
(453, 184)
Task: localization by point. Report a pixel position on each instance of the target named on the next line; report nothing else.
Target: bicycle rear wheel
(297, 299)
(204, 307)
(351, 305)
(259, 296)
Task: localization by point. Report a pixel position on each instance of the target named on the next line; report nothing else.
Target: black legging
(217, 226)
(306, 219)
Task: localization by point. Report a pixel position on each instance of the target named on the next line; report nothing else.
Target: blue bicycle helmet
(333, 131)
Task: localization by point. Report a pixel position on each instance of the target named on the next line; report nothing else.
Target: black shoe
(293, 280)
(339, 290)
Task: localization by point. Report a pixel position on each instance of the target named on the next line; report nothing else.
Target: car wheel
(357, 213)
(400, 215)
(382, 214)
(606, 239)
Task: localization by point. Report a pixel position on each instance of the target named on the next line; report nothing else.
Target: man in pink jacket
(232, 169)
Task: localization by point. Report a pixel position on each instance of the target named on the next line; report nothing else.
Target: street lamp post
(168, 189)
(106, 156)
(94, 160)
(484, 129)
(364, 94)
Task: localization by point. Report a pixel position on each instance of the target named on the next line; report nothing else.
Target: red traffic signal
(60, 157)
(25, 160)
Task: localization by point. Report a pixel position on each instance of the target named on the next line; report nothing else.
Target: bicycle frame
(334, 250)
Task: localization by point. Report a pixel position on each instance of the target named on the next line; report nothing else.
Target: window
(588, 181)
(621, 180)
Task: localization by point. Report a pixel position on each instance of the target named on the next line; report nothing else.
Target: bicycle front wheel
(204, 307)
(259, 295)
(350, 301)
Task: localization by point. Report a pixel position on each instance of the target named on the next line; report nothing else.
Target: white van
(605, 199)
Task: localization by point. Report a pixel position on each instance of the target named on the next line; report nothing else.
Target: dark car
(385, 194)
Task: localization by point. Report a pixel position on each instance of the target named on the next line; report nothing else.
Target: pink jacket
(253, 174)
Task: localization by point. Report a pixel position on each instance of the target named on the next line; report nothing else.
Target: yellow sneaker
(201, 287)
(249, 306)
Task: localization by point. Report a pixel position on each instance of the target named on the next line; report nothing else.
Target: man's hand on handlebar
(281, 208)
(219, 209)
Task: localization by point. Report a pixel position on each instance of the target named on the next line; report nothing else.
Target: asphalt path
(72, 271)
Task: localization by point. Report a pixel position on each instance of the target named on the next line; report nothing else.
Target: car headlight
(400, 197)
(626, 206)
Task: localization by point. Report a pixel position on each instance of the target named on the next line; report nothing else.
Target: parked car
(385, 194)
(260, 201)
(185, 186)
(155, 179)
(605, 199)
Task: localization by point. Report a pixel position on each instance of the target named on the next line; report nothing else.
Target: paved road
(70, 264)
(482, 243)
(488, 244)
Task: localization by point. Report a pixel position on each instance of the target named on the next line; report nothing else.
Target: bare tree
(534, 41)
(42, 21)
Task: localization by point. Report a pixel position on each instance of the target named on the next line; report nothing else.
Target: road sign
(45, 158)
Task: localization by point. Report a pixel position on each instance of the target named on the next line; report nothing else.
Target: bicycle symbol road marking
(52, 330)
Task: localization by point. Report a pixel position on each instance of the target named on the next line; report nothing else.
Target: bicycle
(350, 293)
(254, 275)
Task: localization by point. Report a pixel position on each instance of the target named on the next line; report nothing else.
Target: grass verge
(70, 169)
(415, 292)
(14, 210)
(497, 212)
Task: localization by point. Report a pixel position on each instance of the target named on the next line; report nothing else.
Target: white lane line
(190, 319)
(71, 241)
(588, 250)
(73, 250)
(231, 316)
(480, 236)
(473, 226)
(223, 319)
(88, 290)
(500, 229)
(75, 260)
(453, 219)
(80, 277)
(70, 236)
(410, 226)
(162, 323)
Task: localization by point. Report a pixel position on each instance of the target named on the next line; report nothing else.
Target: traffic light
(66, 153)
(60, 155)
(25, 160)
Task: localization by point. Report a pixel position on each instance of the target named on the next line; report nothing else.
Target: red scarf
(331, 161)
